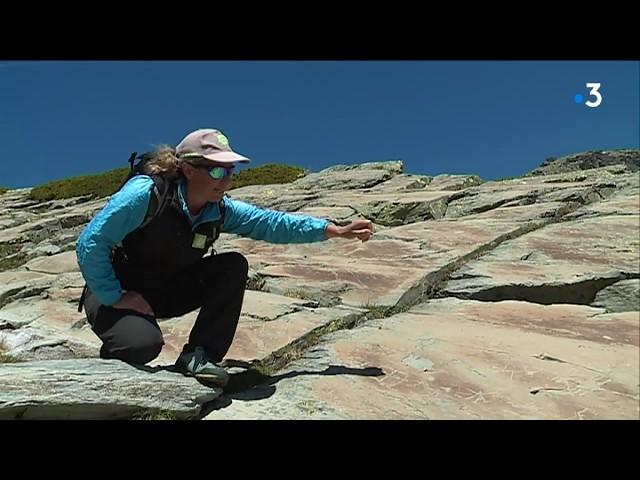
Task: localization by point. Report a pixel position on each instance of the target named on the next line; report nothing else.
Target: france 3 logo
(594, 92)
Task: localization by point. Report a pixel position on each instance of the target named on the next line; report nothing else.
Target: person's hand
(360, 229)
(134, 301)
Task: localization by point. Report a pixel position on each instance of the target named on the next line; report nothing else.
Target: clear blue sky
(494, 119)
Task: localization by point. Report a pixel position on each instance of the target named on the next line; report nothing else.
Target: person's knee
(137, 346)
(236, 267)
(240, 263)
(141, 352)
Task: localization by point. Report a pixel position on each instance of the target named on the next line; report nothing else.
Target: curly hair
(163, 161)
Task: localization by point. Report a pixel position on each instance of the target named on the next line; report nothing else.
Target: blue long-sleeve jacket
(126, 209)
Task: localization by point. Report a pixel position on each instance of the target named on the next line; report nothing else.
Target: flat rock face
(502, 299)
(622, 296)
(568, 262)
(589, 160)
(92, 388)
(461, 359)
(55, 264)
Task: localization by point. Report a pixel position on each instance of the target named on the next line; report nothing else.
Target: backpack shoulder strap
(220, 222)
(216, 228)
(222, 207)
(159, 199)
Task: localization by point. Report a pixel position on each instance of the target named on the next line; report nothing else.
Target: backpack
(157, 202)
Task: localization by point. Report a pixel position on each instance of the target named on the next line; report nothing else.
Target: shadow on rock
(253, 385)
(155, 369)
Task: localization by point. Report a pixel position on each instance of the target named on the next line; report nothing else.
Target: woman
(136, 273)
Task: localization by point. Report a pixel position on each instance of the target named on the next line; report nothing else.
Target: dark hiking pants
(215, 285)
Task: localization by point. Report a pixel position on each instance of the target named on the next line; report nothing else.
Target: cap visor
(227, 157)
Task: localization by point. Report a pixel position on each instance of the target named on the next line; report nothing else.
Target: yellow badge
(199, 240)
(222, 140)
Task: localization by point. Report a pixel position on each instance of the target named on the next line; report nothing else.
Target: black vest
(154, 253)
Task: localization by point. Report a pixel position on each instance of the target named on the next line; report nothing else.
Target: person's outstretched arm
(274, 226)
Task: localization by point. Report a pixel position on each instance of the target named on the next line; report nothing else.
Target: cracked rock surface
(499, 299)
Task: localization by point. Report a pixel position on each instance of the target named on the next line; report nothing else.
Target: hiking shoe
(198, 364)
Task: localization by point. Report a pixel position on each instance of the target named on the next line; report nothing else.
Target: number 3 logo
(594, 91)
